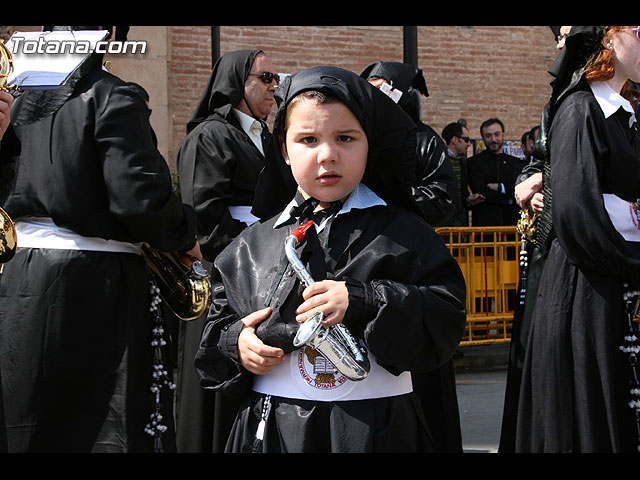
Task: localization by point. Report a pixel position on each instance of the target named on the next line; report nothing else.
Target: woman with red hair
(580, 390)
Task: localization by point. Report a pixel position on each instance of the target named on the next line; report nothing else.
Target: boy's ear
(283, 150)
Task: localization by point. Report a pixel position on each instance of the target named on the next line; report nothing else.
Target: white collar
(246, 121)
(610, 100)
(361, 197)
(251, 127)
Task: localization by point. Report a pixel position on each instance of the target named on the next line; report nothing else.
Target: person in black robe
(492, 173)
(9, 147)
(89, 185)
(406, 294)
(578, 380)
(530, 196)
(435, 194)
(218, 167)
(436, 188)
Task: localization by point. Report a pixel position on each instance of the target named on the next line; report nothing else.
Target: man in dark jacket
(493, 174)
(218, 164)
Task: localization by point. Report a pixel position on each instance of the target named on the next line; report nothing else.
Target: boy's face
(326, 148)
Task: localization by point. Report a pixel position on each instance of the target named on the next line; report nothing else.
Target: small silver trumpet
(335, 343)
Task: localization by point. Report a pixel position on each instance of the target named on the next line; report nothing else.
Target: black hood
(404, 77)
(225, 87)
(581, 43)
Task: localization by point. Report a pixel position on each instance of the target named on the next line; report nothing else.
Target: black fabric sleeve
(414, 325)
(137, 178)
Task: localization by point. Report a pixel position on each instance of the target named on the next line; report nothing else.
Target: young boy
(344, 149)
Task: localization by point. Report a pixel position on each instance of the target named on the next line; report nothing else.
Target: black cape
(75, 326)
(407, 301)
(575, 381)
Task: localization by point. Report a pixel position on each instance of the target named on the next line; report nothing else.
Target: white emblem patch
(317, 371)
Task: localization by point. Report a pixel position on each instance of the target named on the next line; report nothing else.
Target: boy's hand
(254, 355)
(329, 297)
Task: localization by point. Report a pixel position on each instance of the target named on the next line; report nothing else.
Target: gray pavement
(480, 384)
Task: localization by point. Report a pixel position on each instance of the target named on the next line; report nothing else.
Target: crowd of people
(85, 184)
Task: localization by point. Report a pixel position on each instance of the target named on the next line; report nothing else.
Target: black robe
(575, 380)
(9, 147)
(218, 166)
(75, 326)
(407, 300)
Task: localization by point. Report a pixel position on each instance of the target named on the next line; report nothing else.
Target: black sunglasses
(267, 77)
(466, 139)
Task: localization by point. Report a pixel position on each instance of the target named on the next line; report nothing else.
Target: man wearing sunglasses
(218, 164)
(456, 136)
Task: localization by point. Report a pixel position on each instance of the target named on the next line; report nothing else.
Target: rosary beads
(160, 375)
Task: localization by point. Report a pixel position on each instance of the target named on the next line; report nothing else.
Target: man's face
(492, 137)
(257, 94)
(462, 143)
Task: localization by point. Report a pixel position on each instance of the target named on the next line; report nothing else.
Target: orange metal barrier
(489, 260)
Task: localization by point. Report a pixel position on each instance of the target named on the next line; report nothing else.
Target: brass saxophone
(335, 343)
(184, 283)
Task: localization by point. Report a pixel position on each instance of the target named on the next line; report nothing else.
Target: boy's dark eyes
(311, 139)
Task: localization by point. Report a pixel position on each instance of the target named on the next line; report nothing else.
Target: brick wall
(472, 72)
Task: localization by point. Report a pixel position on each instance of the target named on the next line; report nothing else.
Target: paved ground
(480, 380)
(480, 400)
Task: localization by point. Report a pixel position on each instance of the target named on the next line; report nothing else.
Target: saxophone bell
(8, 238)
(184, 284)
(335, 343)
(6, 69)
